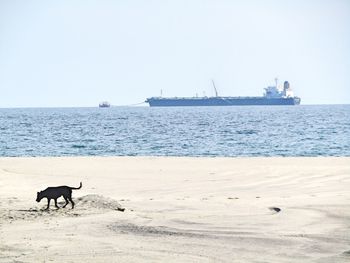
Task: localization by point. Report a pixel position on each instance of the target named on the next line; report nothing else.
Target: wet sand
(177, 210)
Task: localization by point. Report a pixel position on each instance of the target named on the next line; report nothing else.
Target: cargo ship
(272, 96)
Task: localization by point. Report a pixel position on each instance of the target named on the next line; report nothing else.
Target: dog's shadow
(35, 210)
(42, 211)
(30, 210)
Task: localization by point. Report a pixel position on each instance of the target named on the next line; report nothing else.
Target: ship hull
(220, 101)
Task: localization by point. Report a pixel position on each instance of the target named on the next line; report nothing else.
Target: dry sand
(177, 210)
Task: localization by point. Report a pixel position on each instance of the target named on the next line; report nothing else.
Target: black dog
(56, 192)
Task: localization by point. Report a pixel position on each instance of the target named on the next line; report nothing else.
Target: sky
(77, 53)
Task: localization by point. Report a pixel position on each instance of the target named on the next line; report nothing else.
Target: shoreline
(177, 209)
(170, 157)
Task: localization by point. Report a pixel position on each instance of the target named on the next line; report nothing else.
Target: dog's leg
(70, 199)
(65, 198)
(48, 203)
(56, 204)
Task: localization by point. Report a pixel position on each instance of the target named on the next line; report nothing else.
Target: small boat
(104, 104)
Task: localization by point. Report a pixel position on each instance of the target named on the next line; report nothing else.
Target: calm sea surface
(190, 131)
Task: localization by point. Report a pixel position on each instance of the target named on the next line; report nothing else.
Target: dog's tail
(77, 188)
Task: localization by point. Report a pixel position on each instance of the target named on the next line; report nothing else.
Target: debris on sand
(276, 209)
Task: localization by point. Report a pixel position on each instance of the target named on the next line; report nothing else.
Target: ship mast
(216, 92)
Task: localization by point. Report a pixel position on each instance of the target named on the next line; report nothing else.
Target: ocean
(190, 131)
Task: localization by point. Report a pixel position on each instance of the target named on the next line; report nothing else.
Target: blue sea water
(190, 131)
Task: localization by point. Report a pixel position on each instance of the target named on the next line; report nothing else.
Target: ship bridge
(272, 92)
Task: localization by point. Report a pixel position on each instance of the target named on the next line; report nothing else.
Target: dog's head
(38, 196)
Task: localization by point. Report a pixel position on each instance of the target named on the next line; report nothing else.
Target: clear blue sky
(77, 53)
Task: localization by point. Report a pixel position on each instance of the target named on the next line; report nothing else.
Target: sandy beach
(177, 210)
